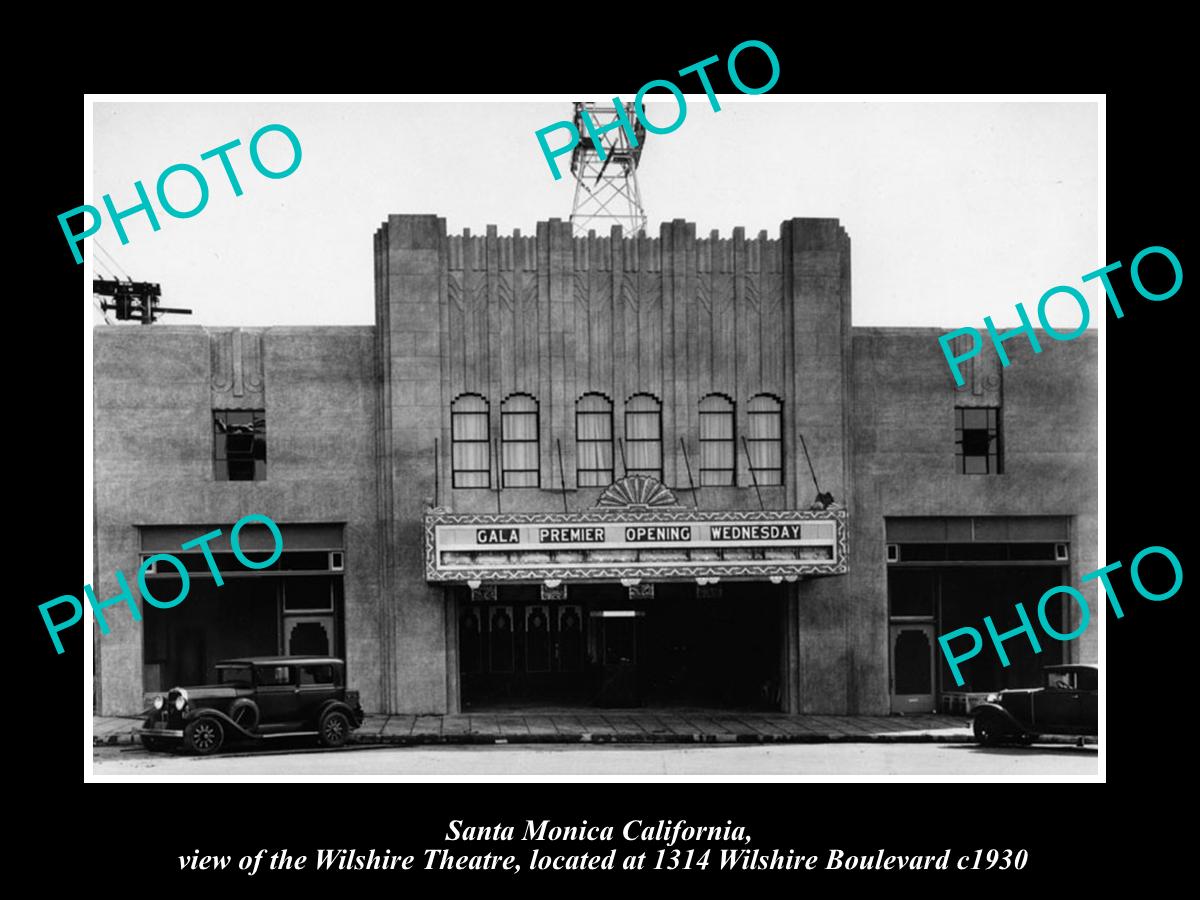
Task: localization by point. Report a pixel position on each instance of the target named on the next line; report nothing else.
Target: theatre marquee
(633, 545)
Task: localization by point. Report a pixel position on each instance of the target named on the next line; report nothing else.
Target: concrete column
(413, 272)
(118, 654)
(816, 266)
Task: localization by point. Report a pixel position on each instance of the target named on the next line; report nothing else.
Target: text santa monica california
(665, 831)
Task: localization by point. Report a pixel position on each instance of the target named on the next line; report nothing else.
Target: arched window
(593, 441)
(519, 442)
(470, 461)
(718, 447)
(643, 436)
(765, 438)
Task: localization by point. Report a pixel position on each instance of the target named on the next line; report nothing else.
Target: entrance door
(912, 668)
(308, 635)
(618, 638)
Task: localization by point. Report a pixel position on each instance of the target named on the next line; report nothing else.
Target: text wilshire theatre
(584, 471)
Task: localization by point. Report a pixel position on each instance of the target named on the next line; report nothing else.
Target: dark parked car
(257, 698)
(1067, 703)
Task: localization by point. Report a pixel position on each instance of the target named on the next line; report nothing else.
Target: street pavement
(1065, 763)
(636, 726)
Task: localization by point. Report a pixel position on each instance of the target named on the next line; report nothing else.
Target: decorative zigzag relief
(704, 571)
(652, 292)
(479, 291)
(704, 292)
(581, 289)
(504, 290)
(751, 293)
(629, 290)
(773, 299)
(602, 291)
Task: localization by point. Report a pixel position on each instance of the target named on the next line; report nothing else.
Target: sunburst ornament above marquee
(637, 491)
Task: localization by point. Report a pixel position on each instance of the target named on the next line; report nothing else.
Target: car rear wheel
(990, 729)
(335, 728)
(203, 736)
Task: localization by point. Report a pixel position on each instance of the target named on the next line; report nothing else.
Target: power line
(100, 263)
(100, 247)
(110, 256)
(100, 306)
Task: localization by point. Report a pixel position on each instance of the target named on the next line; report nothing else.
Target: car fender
(1012, 720)
(193, 714)
(246, 703)
(340, 706)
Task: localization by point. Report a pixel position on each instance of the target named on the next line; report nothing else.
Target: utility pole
(133, 300)
(606, 190)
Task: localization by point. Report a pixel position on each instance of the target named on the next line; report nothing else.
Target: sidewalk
(625, 726)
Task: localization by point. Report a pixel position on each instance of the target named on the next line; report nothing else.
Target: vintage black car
(1067, 703)
(256, 698)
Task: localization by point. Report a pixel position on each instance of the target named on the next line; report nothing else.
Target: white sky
(955, 211)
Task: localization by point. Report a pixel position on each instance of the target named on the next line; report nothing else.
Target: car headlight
(992, 698)
(181, 701)
(160, 701)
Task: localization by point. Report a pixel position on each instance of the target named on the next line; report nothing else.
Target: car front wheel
(335, 728)
(203, 736)
(153, 744)
(990, 729)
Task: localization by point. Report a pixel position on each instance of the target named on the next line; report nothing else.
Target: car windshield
(234, 675)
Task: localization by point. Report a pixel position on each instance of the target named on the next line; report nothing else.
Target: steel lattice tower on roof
(606, 190)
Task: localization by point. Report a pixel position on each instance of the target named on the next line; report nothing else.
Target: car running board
(263, 737)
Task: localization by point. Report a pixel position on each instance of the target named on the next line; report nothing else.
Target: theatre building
(604, 471)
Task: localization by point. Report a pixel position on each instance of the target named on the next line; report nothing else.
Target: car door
(1089, 697)
(1058, 708)
(317, 685)
(278, 698)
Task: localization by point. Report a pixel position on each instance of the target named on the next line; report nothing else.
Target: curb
(128, 738)
(586, 738)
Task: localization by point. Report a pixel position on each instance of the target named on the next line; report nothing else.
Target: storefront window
(308, 594)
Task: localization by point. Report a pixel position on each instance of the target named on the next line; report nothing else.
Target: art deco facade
(585, 472)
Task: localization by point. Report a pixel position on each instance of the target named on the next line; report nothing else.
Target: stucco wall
(154, 394)
(904, 463)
